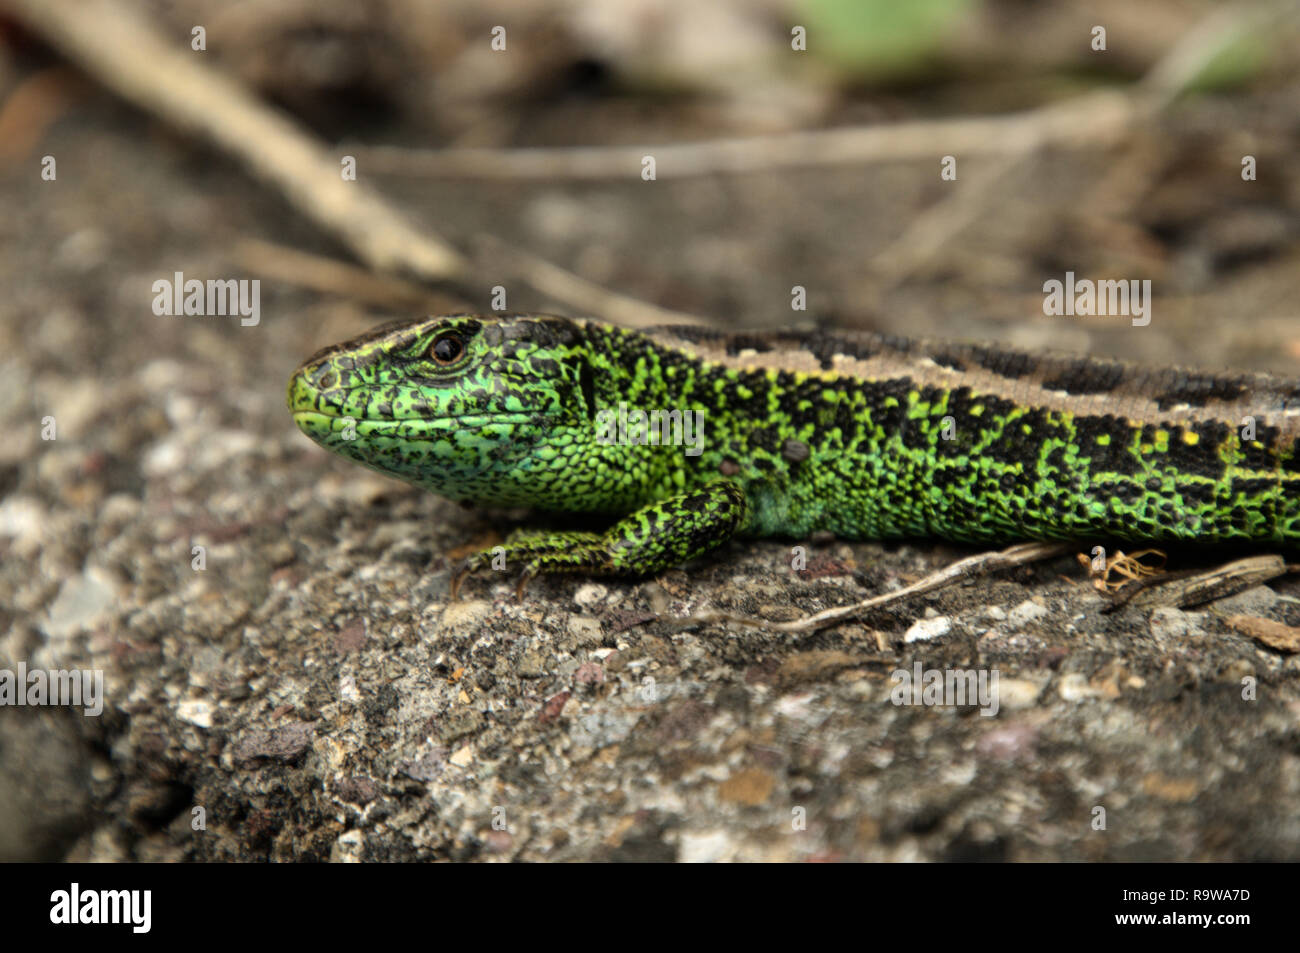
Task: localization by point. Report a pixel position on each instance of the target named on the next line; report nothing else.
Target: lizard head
(470, 406)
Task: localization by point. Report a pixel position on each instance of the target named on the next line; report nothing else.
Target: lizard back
(871, 436)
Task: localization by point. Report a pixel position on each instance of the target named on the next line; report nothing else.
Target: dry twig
(979, 565)
(125, 53)
(586, 296)
(1088, 122)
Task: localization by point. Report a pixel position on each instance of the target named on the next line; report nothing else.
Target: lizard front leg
(653, 538)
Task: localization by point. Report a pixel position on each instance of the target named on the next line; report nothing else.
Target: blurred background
(502, 143)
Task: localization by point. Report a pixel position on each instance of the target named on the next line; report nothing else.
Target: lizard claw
(470, 565)
(522, 582)
(465, 570)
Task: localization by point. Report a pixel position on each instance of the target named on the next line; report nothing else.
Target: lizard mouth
(321, 413)
(317, 421)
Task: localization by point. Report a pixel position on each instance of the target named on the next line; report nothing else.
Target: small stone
(533, 663)
(553, 708)
(750, 787)
(462, 757)
(585, 630)
(589, 594)
(457, 725)
(350, 636)
(704, 848)
(1177, 790)
(82, 601)
(427, 766)
(23, 518)
(463, 615)
(589, 673)
(601, 728)
(1254, 601)
(280, 553)
(349, 848)
(285, 744)
(1074, 687)
(196, 712)
(357, 790)
(657, 598)
(1014, 693)
(1170, 623)
(1008, 742)
(1026, 612)
(925, 629)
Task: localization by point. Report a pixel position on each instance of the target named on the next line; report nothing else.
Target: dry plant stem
(933, 228)
(113, 44)
(1106, 121)
(32, 105)
(1195, 589)
(970, 567)
(564, 285)
(127, 55)
(1091, 121)
(344, 279)
(1213, 34)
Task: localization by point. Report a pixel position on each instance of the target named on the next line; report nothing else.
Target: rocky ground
(310, 693)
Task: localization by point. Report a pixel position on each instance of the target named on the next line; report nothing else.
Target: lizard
(864, 435)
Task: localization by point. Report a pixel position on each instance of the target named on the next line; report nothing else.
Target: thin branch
(933, 229)
(113, 44)
(585, 296)
(341, 278)
(970, 567)
(1195, 50)
(1189, 588)
(1089, 121)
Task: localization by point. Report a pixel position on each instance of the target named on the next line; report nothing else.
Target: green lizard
(864, 435)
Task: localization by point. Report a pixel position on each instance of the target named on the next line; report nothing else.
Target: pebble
(589, 594)
(1074, 687)
(1254, 601)
(196, 711)
(1016, 693)
(585, 629)
(81, 602)
(1170, 623)
(464, 615)
(703, 848)
(1026, 612)
(925, 629)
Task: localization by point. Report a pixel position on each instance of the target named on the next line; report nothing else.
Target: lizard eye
(446, 349)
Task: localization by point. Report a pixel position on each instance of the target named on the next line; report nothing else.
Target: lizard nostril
(326, 380)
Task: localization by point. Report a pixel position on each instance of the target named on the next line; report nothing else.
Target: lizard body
(861, 434)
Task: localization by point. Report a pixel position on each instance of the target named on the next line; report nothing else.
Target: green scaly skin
(860, 434)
